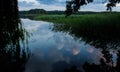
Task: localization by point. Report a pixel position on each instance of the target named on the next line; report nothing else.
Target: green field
(101, 18)
(87, 21)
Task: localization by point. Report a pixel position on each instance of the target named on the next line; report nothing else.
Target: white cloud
(97, 5)
(28, 1)
(93, 7)
(118, 5)
(39, 5)
(43, 6)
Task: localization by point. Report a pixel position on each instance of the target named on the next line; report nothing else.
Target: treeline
(42, 11)
(33, 11)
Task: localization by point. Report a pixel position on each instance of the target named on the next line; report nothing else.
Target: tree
(13, 57)
(74, 5)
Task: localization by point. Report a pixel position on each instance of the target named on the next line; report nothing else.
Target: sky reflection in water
(49, 48)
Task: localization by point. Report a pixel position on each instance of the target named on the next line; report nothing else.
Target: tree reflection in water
(106, 37)
(12, 56)
(104, 65)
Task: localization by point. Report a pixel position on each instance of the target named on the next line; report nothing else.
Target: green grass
(88, 21)
(95, 21)
(103, 18)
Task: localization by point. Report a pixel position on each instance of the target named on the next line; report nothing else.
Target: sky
(49, 5)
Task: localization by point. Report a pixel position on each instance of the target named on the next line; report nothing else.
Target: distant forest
(42, 12)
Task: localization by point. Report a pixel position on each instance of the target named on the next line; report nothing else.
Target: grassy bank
(103, 18)
(84, 21)
(96, 21)
(87, 22)
(98, 30)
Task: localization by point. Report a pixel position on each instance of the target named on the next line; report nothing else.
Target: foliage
(33, 11)
(74, 5)
(99, 18)
(13, 57)
(106, 64)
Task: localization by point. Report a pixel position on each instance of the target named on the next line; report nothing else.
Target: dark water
(62, 48)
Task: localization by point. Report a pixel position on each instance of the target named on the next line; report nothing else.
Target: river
(58, 51)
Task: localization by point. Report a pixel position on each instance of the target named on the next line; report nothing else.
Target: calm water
(58, 51)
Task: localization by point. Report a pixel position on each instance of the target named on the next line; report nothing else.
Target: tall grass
(86, 22)
(98, 30)
(103, 18)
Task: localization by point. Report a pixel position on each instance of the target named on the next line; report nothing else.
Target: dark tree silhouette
(106, 64)
(74, 5)
(12, 56)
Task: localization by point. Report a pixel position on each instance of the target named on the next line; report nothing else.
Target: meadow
(87, 19)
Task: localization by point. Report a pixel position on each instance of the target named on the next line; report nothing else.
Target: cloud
(97, 5)
(93, 7)
(41, 4)
(28, 1)
(49, 2)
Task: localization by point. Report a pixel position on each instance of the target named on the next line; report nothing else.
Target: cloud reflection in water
(49, 47)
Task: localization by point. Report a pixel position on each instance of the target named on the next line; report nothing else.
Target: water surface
(57, 50)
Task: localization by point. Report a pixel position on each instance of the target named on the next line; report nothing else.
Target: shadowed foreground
(13, 56)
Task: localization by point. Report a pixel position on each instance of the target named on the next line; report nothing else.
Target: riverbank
(102, 22)
(101, 18)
